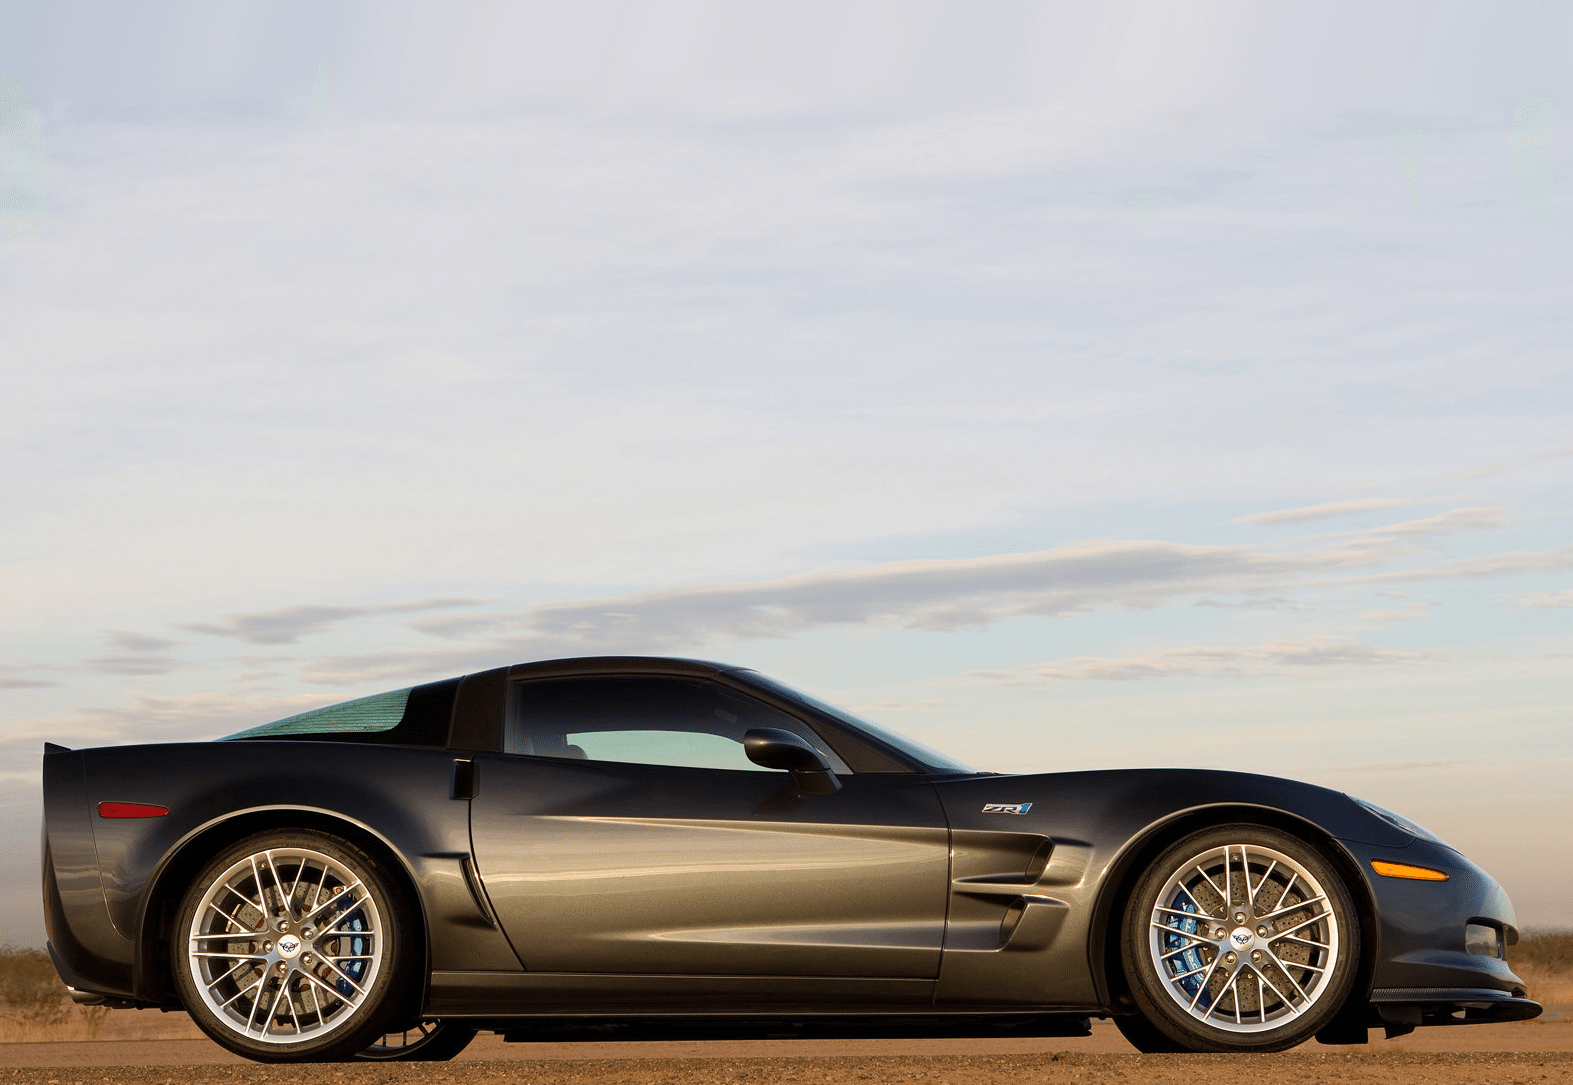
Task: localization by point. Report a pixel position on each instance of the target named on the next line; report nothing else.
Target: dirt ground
(1530, 1052)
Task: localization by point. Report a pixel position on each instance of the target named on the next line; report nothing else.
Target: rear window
(379, 712)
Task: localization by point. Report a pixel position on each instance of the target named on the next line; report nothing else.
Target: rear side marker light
(131, 810)
(1404, 870)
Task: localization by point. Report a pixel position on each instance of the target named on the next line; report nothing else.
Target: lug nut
(305, 959)
(307, 932)
(1256, 955)
(1230, 958)
(1239, 917)
(283, 968)
(1262, 930)
(267, 947)
(1219, 933)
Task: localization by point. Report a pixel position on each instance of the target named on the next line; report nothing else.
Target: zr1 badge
(1006, 807)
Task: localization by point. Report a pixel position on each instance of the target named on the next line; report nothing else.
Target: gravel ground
(1525, 1053)
(1528, 1068)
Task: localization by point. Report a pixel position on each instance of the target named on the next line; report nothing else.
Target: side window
(643, 720)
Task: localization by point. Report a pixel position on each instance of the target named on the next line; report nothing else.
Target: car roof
(620, 665)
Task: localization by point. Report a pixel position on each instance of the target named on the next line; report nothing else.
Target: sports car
(636, 846)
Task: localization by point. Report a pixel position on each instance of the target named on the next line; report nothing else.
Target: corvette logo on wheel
(1006, 807)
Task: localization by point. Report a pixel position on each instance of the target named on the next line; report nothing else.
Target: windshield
(930, 759)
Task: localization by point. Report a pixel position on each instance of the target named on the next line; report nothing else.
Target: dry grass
(1543, 959)
(34, 1007)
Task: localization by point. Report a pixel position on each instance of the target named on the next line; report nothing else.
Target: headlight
(1401, 823)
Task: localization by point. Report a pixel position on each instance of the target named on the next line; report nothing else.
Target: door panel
(609, 867)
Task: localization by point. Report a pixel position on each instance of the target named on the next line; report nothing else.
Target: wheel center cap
(289, 946)
(1239, 938)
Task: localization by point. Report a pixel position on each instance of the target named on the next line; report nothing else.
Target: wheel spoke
(339, 972)
(328, 987)
(1293, 908)
(267, 1022)
(1182, 949)
(278, 883)
(300, 869)
(243, 928)
(257, 904)
(1294, 983)
(1220, 892)
(1202, 990)
(238, 965)
(1261, 978)
(1268, 873)
(250, 987)
(230, 956)
(1303, 923)
(344, 898)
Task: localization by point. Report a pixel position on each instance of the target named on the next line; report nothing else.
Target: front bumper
(1401, 1009)
(1424, 974)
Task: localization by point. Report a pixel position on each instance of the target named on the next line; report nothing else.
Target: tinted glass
(647, 721)
(418, 716)
(379, 712)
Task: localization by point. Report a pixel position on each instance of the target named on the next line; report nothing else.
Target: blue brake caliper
(356, 968)
(1191, 959)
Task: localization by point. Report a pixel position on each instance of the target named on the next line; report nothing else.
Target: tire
(1140, 1034)
(430, 1041)
(293, 946)
(1269, 966)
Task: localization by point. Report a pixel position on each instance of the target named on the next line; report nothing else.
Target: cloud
(288, 624)
(1320, 512)
(937, 595)
(1405, 766)
(134, 664)
(136, 642)
(156, 718)
(1453, 520)
(1409, 612)
(1514, 563)
(138, 654)
(1542, 600)
(1273, 659)
(13, 676)
(347, 670)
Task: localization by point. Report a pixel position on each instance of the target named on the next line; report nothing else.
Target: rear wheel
(291, 947)
(429, 1041)
(1239, 938)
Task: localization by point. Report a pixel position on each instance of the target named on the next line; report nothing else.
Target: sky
(1064, 385)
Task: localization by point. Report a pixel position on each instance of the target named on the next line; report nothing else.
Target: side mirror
(773, 748)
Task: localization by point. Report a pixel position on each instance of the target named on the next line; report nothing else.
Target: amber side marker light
(1404, 870)
(131, 810)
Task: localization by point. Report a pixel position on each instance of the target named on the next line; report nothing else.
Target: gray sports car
(636, 846)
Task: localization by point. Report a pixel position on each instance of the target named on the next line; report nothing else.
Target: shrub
(30, 989)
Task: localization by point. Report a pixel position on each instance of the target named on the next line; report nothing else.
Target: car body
(645, 843)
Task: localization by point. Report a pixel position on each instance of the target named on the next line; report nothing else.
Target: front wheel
(291, 947)
(1239, 938)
